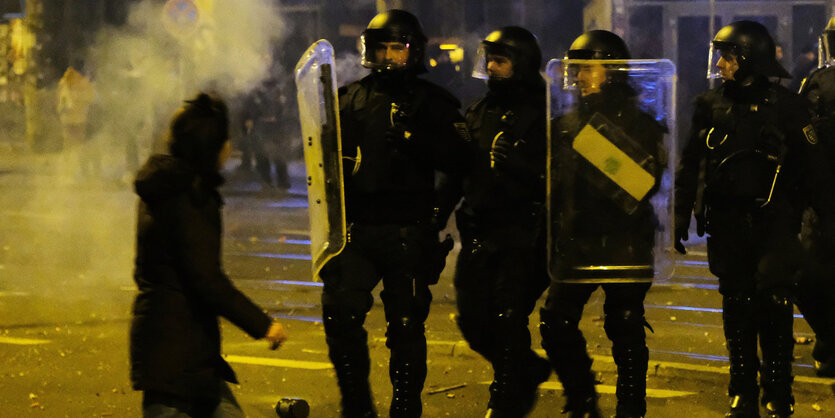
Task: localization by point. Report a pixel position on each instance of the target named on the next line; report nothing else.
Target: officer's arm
(687, 172)
(450, 141)
(819, 173)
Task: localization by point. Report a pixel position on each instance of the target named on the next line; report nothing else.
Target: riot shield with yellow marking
(319, 116)
(610, 174)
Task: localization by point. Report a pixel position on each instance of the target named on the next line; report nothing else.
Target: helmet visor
(382, 51)
(588, 76)
(724, 69)
(493, 61)
(826, 49)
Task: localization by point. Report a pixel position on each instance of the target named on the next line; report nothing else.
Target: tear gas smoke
(70, 240)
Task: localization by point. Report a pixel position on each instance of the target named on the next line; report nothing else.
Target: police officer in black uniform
(396, 130)
(596, 230)
(814, 298)
(500, 271)
(746, 173)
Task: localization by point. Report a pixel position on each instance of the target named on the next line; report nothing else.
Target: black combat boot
(348, 351)
(744, 407)
(352, 374)
(632, 381)
(741, 337)
(407, 367)
(814, 300)
(407, 379)
(777, 345)
(537, 371)
(566, 348)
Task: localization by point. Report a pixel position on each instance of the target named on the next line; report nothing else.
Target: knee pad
(557, 326)
(624, 325)
(404, 330)
(341, 322)
(475, 331)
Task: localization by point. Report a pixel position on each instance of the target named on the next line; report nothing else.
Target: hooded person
(174, 336)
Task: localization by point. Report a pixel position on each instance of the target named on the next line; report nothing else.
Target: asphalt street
(66, 290)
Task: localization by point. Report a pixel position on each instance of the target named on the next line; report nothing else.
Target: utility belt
(511, 228)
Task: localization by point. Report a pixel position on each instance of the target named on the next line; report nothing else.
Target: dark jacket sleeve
(198, 243)
(818, 176)
(692, 154)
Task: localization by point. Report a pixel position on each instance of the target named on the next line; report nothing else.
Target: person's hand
(681, 234)
(504, 155)
(276, 335)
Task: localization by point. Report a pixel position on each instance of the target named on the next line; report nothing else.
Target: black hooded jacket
(175, 337)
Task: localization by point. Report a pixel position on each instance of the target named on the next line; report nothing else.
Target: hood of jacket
(162, 177)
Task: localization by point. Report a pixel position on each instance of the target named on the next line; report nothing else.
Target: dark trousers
(397, 255)
(499, 277)
(757, 257)
(624, 325)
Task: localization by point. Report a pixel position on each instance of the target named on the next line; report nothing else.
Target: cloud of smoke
(143, 71)
(72, 240)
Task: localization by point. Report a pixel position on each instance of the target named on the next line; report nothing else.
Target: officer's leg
(282, 176)
(566, 346)
(346, 298)
(624, 325)
(518, 370)
(473, 286)
(814, 291)
(733, 259)
(815, 298)
(406, 298)
(775, 321)
(815, 302)
(775, 313)
(738, 313)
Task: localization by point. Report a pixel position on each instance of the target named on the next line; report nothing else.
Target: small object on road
(292, 408)
(817, 407)
(446, 389)
(450, 395)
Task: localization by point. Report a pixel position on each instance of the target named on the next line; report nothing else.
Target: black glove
(681, 234)
(505, 155)
(439, 254)
(398, 135)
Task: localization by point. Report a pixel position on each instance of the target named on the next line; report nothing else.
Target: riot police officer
(396, 131)
(814, 294)
(596, 228)
(751, 155)
(500, 271)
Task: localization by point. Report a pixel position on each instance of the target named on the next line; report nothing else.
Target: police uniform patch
(810, 134)
(462, 130)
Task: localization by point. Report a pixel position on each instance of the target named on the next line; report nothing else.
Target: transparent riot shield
(610, 175)
(319, 116)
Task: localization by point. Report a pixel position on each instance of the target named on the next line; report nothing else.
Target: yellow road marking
(277, 362)
(22, 341)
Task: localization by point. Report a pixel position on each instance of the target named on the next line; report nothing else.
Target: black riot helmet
(598, 45)
(517, 44)
(753, 47)
(394, 26)
(826, 45)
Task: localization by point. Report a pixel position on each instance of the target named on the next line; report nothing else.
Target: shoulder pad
(347, 93)
(435, 91)
(475, 105)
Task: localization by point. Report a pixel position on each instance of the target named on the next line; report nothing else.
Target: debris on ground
(446, 389)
